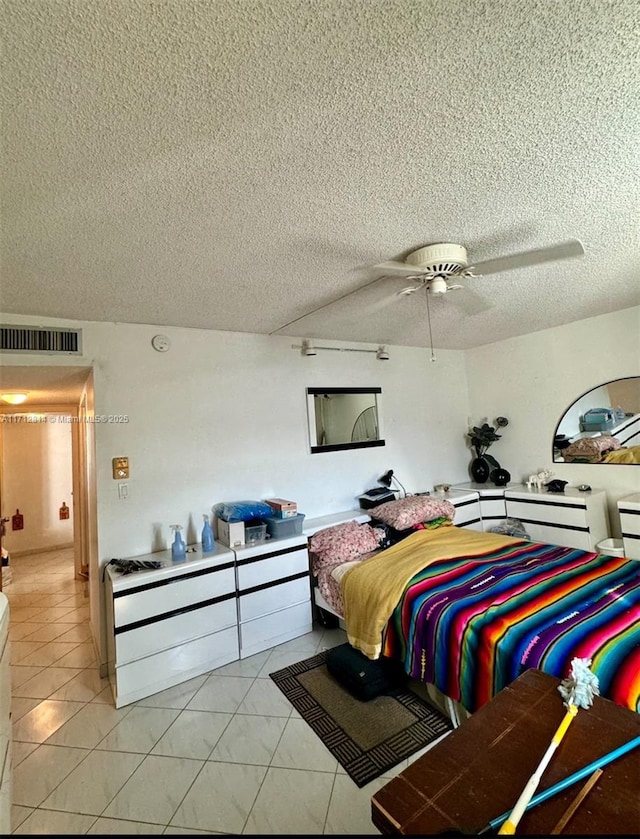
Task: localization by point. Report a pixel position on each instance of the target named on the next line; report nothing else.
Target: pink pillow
(407, 512)
(343, 542)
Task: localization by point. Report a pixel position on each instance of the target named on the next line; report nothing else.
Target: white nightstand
(629, 509)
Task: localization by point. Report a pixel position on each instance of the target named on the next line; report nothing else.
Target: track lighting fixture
(309, 348)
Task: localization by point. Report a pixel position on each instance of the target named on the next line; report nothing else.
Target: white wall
(37, 479)
(532, 380)
(222, 417)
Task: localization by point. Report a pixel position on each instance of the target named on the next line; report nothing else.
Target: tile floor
(222, 753)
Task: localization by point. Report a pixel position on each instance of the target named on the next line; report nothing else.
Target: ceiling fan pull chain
(433, 358)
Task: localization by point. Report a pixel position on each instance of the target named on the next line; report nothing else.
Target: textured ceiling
(43, 385)
(234, 164)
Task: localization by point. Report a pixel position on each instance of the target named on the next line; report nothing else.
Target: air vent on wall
(36, 339)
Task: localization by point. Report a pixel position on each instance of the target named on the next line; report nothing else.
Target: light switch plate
(120, 468)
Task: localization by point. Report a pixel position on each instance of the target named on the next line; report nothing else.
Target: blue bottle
(208, 542)
(178, 547)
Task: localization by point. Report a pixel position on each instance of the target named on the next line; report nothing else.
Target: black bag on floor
(363, 678)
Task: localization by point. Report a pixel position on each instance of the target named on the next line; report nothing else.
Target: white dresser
(274, 593)
(571, 518)
(169, 624)
(629, 511)
(493, 508)
(166, 625)
(467, 504)
(6, 777)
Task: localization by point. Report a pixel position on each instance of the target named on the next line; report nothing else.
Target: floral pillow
(590, 449)
(412, 510)
(342, 542)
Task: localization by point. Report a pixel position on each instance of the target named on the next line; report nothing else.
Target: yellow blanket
(372, 588)
(630, 455)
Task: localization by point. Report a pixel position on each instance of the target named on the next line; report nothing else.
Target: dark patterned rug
(366, 738)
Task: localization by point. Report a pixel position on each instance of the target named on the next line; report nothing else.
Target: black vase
(500, 477)
(479, 470)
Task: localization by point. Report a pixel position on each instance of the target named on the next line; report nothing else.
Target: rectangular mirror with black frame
(344, 418)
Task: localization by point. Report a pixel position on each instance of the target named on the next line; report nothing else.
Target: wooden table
(478, 771)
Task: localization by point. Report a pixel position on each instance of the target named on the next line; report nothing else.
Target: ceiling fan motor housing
(443, 259)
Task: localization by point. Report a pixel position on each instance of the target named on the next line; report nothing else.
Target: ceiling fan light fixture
(438, 285)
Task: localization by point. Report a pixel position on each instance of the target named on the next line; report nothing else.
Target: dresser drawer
(548, 512)
(467, 513)
(275, 565)
(630, 528)
(154, 673)
(275, 628)
(493, 508)
(155, 599)
(630, 522)
(565, 537)
(273, 598)
(157, 634)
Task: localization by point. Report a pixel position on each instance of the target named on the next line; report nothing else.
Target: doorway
(40, 481)
(46, 462)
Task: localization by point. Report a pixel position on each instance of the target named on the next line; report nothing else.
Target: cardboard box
(282, 508)
(230, 533)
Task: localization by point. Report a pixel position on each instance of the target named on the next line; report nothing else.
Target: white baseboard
(32, 551)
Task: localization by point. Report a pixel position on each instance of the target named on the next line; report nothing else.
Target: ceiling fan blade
(469, 303)
(564, 250)
(362, 295)
(328, 304)
(399, 268)
(384, 302)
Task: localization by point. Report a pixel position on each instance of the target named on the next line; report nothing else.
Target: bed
(602, 449)
(468, 612)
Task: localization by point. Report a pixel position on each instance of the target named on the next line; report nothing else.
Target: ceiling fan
(436, 267)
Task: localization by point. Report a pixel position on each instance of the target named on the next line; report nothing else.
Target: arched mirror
(601, 426)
